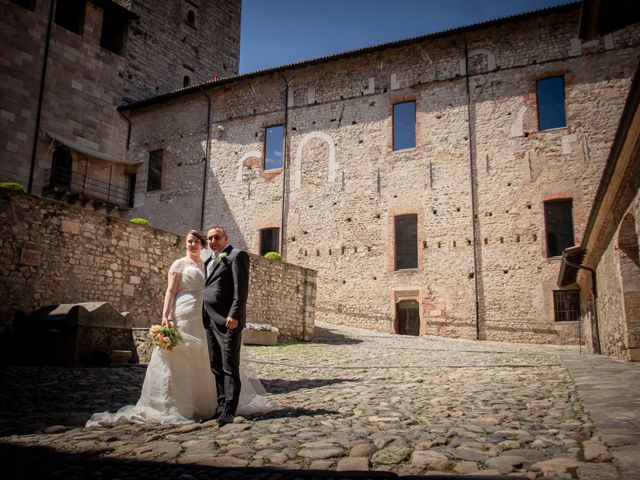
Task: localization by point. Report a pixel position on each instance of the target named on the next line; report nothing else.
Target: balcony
(75, 187)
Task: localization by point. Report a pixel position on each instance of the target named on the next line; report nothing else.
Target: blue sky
(279, 32)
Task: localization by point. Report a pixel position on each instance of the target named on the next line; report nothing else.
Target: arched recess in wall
(629, 257)
(252, 153)
(491, 60)
(333, 164)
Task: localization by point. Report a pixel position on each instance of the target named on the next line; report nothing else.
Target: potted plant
(260, 334)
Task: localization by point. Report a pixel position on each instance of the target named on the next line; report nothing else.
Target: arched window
(191, 18)
(186, 81)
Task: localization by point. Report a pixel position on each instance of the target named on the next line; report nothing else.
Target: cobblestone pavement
(351, 401)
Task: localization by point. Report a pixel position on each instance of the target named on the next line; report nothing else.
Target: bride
(179, 386)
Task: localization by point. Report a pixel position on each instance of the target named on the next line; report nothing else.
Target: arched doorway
(408, 317)
(61, 168)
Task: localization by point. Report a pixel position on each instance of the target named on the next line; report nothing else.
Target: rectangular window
(269, 240)
(70, 14)
(550, 95)
(558, 224)
(404, 125)
(114, 30)
(273, 147)
(154, 174)
(28, 4)
(406, 241)
(566, 305)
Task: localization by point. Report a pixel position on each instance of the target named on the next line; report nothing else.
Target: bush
(273, 256)
(13, 186)
(140, 221)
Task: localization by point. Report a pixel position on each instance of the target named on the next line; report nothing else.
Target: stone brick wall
(85, 83)
(618, 289)
(52, 253)
(163, 48)
(477, 143)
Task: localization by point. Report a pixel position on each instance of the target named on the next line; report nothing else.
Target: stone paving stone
(382, 404)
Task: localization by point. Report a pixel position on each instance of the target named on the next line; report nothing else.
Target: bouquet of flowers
(164, 338)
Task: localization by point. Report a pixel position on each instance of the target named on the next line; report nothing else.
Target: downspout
(594, 289)
(206, 159)
(474, 207)
(128, 128)
(40, 97)
(285, 164)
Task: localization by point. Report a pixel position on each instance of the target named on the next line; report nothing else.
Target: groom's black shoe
(215, 415)
(225, 418)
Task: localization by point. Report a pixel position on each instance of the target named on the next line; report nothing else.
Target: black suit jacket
(227, 288)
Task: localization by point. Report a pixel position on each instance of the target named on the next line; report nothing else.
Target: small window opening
(404, 125)
(191, 18)
(566, 305)
(269, 240)
(70, 14)
(154, 173)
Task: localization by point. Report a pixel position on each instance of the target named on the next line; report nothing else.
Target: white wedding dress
(179, 386)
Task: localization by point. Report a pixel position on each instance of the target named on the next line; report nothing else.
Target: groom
(224, 315)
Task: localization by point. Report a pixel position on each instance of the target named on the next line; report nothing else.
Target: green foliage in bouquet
(164, 338)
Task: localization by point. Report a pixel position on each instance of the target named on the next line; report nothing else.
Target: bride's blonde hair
(199, 235)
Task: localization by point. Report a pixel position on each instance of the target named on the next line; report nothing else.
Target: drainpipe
(285, 164)
(474, 206)
(206, 159)
(40, 97)
(128, 128)
(594, 289)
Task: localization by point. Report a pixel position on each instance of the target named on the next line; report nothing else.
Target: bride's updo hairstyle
(199, 235)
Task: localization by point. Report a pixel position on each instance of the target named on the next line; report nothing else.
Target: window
(131, 194)
(191, 18)
(558, 224)
(28, 4)
(273, 147)
(114, 30)
(61, 168)
(70, 14)
(406, 241)
(550, 95)
(186, 81)
(269, 240)
(566, 305)
(154, 175)
(404, 125)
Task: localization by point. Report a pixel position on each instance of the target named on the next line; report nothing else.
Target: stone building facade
(606, 263)
(54, 253)
(457, 233)
(66, 66)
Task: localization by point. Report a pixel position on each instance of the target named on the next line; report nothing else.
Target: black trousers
(224, 354)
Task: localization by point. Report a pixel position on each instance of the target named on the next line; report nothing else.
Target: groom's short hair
(218, 227)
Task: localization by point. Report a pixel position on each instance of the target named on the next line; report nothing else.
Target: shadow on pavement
(45, 463)
(322, 335)
(279, 385)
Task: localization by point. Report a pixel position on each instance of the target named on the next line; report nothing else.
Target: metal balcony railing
(86, 188)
